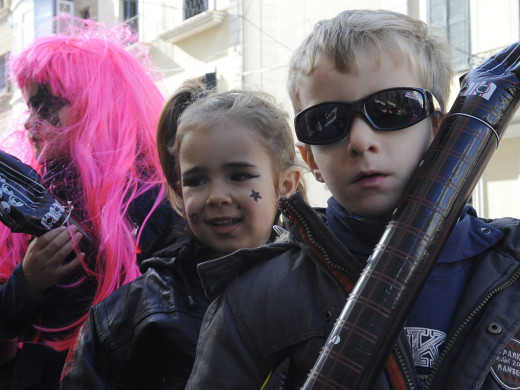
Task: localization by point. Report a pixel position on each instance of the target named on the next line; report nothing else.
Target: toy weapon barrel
(375, 312)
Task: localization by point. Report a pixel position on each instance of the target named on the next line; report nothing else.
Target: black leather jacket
(144, 335)
(284, 304)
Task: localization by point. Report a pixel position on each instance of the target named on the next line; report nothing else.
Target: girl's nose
(32, 121)
(362, 138)
(218, 195)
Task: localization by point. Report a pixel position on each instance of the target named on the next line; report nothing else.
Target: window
(194, 7)
(4, 79)
(130, 13)
(453, 17)
(210, 80)
(63, 7)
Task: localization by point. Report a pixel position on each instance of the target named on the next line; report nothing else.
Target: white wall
(251, 48)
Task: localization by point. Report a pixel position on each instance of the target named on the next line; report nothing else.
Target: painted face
(227, 187)
(368, 170)
(47, 114)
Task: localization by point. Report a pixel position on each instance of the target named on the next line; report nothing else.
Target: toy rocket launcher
(25, 204)
(376, 309)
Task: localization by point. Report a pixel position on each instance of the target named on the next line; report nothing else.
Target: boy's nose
(362, 138)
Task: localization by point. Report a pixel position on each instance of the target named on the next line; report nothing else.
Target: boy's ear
(289, 180)
(308, 157)
(437, 119)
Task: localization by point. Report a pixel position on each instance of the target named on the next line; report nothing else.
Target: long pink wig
(111, 142)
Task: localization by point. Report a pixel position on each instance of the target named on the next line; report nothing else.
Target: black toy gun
(376, 309)
(26, 206)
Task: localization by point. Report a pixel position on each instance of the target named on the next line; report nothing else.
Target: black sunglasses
(387, 110)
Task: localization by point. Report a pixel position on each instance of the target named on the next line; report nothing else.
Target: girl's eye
(242, 176)
(193, 181)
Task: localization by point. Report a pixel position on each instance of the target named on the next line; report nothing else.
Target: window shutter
(452, 17)
(194, 7)
(458, 34)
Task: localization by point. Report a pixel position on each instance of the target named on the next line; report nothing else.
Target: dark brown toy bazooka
(375, 312)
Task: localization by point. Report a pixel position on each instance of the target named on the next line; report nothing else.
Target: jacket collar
(216, 274)
(308, 229)
(174, 247)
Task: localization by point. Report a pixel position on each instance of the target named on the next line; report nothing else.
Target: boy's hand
(490, 92)
(43, 265)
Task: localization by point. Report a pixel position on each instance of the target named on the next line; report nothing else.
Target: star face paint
(255, 195)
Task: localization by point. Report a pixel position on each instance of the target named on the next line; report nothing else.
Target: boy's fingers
(44, 240)
(64, 239)
(76, 238)
(70, 266)
(55, 238)
(64, 247)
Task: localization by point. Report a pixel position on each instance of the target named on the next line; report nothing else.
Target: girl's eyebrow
(233, 165)
(193, 171)
(240, 164)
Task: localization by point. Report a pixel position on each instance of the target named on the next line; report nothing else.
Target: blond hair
(343, 37)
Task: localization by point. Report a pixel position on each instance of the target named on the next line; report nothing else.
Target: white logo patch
(506, 369)
(425, 345)
(484, 89)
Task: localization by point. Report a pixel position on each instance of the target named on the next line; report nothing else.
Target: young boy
(463, 330)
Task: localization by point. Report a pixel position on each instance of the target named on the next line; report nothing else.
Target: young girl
(93, 110)
(226, 164)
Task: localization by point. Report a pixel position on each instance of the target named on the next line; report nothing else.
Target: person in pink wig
(93, 109)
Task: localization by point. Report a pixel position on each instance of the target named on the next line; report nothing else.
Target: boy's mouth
(369, 177)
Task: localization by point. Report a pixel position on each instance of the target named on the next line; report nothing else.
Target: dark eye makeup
(46, 105)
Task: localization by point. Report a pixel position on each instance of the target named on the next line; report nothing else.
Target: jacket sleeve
(223, 360)
(88, 365)
(18, 307)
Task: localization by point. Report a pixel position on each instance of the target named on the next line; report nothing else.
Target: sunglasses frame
(359, 107)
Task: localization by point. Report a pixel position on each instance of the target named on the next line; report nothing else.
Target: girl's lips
(34, 138)
(224, 225)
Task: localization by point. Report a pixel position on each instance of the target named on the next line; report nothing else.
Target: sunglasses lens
(322, 124)
(395, 109)
(387, 110)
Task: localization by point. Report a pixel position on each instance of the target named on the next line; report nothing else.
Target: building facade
(248, 43)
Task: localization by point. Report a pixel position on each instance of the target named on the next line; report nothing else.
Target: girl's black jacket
(144, 335)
